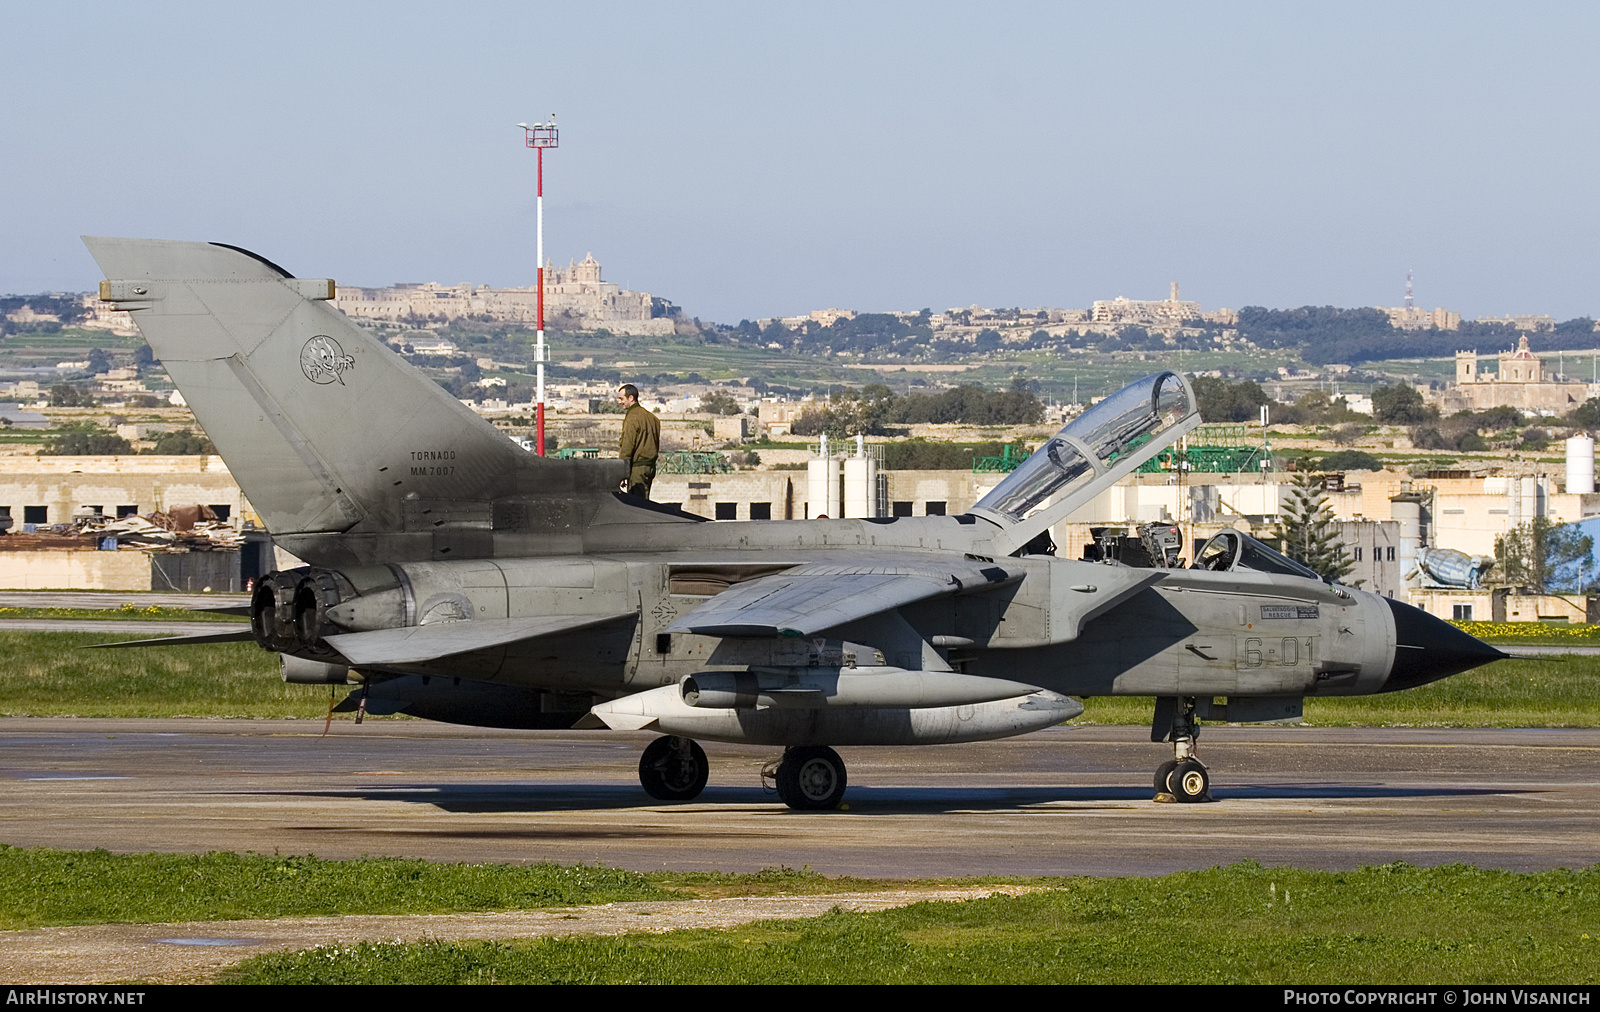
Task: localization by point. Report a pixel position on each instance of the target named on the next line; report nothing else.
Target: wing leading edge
(808, 599)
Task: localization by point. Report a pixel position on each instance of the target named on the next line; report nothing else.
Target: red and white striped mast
(539, 136)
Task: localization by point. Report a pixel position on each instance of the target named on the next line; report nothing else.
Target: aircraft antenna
(539, 136)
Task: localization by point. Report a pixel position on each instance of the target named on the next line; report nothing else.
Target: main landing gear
(674, 769)
(809, 777)
(1184, 777)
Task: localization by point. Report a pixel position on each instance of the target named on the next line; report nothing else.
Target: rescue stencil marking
(1289, 611)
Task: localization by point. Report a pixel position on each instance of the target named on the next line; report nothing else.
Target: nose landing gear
(1183, 778)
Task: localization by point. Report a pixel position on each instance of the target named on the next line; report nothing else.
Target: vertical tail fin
(325, 428)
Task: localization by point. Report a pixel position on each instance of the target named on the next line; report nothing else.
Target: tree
(86, 440)
(1350, 460)
(1306, 526)
(99, 360)
(182, 443)
(65, 395)
(718, 402)
(1399, 404)
(1348, 433)
(1543, 556)
(1221, 401)
(1586, 415)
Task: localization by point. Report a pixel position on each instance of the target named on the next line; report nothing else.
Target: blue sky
(752, 160)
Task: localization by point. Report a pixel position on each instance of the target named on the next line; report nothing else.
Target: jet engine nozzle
(289, 611)
(272, 609)
(318, 593)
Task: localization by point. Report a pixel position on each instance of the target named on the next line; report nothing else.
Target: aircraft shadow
(863, 800)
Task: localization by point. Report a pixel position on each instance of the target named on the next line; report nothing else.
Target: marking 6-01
(1286, 652)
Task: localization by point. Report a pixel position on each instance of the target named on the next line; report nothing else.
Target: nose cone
(1428, 649)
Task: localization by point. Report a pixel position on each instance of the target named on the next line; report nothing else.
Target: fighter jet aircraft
(454, 576)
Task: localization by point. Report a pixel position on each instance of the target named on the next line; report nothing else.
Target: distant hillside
(1325, 334)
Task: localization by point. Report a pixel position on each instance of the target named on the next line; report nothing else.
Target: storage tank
(1527, 500)
(822, 485)
(1406, 510)
(860, 487)
(1580, 464)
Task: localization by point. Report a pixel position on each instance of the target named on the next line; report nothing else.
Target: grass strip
(126, 612)
(1393, 924)
(49, 674)
(41, 887)
(1542, 692)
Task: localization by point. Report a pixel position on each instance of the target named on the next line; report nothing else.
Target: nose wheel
(1183, 778)
(674, 768)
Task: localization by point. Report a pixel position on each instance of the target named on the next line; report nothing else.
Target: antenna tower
(1408, 290)
(540, 136)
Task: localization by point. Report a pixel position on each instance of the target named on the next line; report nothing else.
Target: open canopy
(1097, 448)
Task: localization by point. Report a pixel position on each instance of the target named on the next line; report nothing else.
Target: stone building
(42, 491)
(1417, 318)
(1520, 382)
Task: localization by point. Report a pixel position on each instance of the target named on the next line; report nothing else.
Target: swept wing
(811, 598)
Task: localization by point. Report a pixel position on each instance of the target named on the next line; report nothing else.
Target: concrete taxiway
(1063, 801)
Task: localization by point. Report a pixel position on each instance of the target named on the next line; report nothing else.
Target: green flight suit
(641, 443)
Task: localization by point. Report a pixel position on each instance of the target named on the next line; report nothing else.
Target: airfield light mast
(539, 136)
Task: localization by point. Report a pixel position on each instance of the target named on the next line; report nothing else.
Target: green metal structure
(1003, 464)
(1216, 449)
(692, 462)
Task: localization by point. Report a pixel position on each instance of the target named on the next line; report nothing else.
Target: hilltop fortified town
(576, 298)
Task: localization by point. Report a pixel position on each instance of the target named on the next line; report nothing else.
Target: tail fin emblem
(324, 361)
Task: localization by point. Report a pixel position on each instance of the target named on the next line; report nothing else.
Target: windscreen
(1229, 551)
(1092, 443)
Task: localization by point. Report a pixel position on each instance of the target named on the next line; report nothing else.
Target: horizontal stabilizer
(422, 643)
(808, 599)
(238, 636)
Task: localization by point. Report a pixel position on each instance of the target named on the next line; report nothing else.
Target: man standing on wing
(641, 441)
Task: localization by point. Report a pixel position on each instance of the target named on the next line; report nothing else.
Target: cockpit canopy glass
(1229, 551)
(1091, 444)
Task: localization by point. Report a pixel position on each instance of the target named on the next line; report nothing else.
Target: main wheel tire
(1162, 772)
(811, 778)
(674, 769)
(1190, 782)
